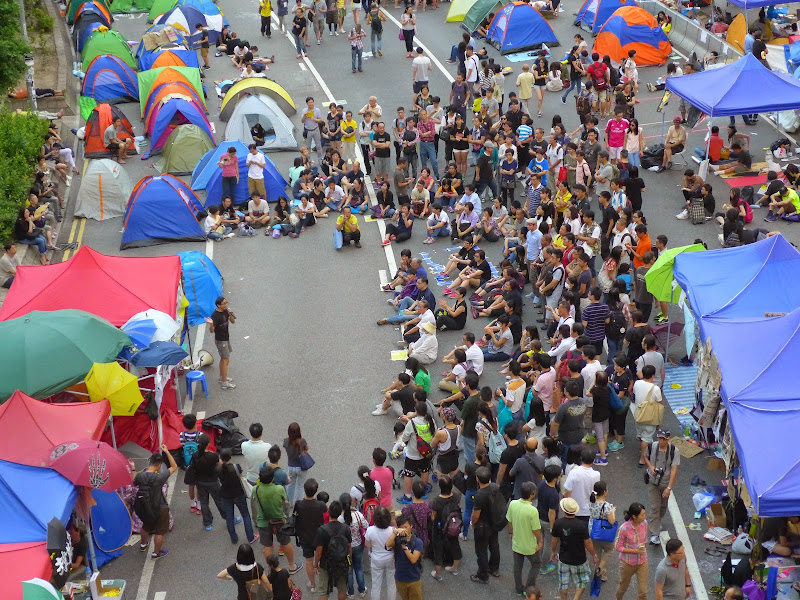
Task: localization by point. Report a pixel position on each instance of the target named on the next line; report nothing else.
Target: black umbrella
(59, 547)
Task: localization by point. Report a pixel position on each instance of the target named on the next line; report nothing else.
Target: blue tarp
(594, 13)
(750, 4)
(31, 496)
(518, 27)
(161, 210)
(202, 285)
(207, 176)
(729, 91)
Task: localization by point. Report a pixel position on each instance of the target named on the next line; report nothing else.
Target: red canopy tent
(29, 428)
(112, 287)
(20, 562)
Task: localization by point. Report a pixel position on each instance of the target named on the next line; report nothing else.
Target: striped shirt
(524, 132)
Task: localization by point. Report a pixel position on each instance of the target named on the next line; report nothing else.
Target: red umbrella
(91, 464)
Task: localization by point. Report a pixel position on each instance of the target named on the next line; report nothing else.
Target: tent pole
(113, 435)
(92, 556)
(708, 142)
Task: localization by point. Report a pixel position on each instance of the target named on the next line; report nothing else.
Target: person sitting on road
(347, 223)
(399, 228)
(112, 140)
(426, 348)
(743, 162)
(257, 212)
(459, 260)
(783, 203)
(476, 274)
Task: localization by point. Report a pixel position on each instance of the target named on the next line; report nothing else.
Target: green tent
(458, 10)
(184, 148)
(86, 104)
(131, 6)
(150, 79)
(159, 7)
(74, 5)
(478, 12)
(107, 41)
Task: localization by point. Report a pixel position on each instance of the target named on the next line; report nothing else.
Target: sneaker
(386, 242)
(313, 589)
(547, 570)
(602, 462)
(771, 217)
(435, 576)
(144, 547)
(237, 520)
(228, 379)
(230, 235)
(402, 344)
(476, 579)
(683, 215)
(655, 540)
(162, 554)
(495, 573)
(540, 113)
(293, 235)
(362, 594)
(295, 569)
(330, 32)
(661, 319)
(380, 53)
(379, 411)
(531, 295)
(196, 510)
(387, 288)
(228, 385)
(463, 539)
(427, 240)
(208, 527)
(404, 499)
(563, 100)
(450, 569)
(318, 42)
(614, 445)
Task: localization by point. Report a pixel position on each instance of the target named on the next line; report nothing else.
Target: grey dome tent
(260, 108)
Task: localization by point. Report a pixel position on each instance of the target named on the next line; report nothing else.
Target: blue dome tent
(594, 13)
(519, 27)
(161, 210)
(202, 285)
(108, 79)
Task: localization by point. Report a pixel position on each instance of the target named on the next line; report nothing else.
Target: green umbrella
(659, 277)
(39, 589)
(50, 351)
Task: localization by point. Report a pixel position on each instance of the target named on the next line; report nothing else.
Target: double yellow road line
(72, 237)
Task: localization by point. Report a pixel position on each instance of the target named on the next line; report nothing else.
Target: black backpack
(144, 504)
(498, 508)
(337, 554)
(451, 520)
(617, 325)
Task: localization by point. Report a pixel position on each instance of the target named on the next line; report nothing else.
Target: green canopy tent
(159, 7)
(184, 148)
(478, 12)
(659, 278)
(458, 10)
(152, 78)
(108, 41)
(76, 338)
(131, 6)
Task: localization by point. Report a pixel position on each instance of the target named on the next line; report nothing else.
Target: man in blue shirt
(748, 42)
(533, 246)
(407, 559)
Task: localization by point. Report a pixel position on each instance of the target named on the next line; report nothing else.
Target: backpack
(617, 325)
(368, 507)
(498, 508)
(337, 555)
(451, 524)
(599, 76)
(423, 447)
(189, 450)
(583, 105)
(615, 170)
(697, 211)
(495, 444)
(144, 503)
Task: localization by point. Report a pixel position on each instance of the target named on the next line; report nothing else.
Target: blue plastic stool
(195, 376)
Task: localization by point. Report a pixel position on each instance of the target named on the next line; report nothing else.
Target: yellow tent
(458, 10)
(736, 32)
(256, 85)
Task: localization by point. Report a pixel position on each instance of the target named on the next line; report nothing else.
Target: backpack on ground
(451, 524)
(495, 443)
(144, 504)
(337, 555)
(499, 508)
(368, 507)
(697, 211)
(423, 447)
(189, 450)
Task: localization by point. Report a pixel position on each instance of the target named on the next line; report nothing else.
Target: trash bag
(702, 501)
(228, 434)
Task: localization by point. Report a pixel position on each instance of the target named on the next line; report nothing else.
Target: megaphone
(204, 359)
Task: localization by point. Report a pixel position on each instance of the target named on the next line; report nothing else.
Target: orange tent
(102, 117)
(633, 28)
(168, 59)
(171, 89)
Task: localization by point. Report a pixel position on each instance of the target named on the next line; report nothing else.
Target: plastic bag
(702, 500)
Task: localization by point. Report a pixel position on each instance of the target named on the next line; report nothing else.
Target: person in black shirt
(219, 321)
(309, 516)
(233, 495)
(447, 502)
(634, 186)
(484, 171)
(487, 547)
(508, 457)
(282, 584)
(328, 579)
(548, 498)
(621, 379)
(569, 545)
(203, 43)
(155, 477)
(244, 571)
(206, 468)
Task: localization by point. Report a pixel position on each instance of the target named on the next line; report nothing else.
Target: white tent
(260, 108)
(104, 191)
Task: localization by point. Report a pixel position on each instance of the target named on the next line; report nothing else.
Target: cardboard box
(715, 514)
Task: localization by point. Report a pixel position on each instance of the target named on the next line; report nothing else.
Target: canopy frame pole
(113, 435)
(92, 556)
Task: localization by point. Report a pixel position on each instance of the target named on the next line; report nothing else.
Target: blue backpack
(189, 450)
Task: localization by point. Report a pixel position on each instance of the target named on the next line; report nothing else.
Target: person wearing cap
(672, 581)
(484, 171)
(673, 143)
(569, 545)
(426, 347)
(662, 467)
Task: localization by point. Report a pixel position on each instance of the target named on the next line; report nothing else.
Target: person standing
(661, 463)
(271, 516)
(256, 453)
(332, 554)
(407, 559)
(484, 171)
(265, 11)
(526, 536)
(446, 514)
(319, 11)
(525, 85)
(245, 571)
(206, 467)
(299, 31)
(295, 445)
(426, 128)
(570, 543)
(229, 163)
(672, 580)
(220, 321)
(155, 522)
(357, 48)
(233, 496)
(580, 483)
(408, 25)
(375, 19)
(312, 120)
(420, 73)
(203, 43)
(471, 70)
(548, 506)
(309, 516)
(381, 559)
(631, 545)
(487, 548)
(256, 163)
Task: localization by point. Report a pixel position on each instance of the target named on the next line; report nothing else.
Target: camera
(656, 479)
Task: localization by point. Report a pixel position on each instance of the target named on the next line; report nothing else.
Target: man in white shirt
(472, 66)
(257, 212)
(646, 390)
(420, 68)
(8, 265)
(438, 224)
(475, 356)
(373, 107)
(470, 196)
(256, 163)
(580, 483)
(255, 452)
(334, 195)
(652, 357)
(426, 347)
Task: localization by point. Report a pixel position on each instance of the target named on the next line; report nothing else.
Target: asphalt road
(305, 345)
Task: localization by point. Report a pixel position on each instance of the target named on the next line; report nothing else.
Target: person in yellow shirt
(349, 132)
(342, 12)
(525, 85)
(265, 10)
(347, 223)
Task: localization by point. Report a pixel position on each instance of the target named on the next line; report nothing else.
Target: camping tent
(477, 13)
(172, 57)
(161, 209)
(255, 85)
(105, 190)
(185, 18)
(163, 118)
(96, 8)
(159, 7)
(84, 27)
(736, 32)
(519, 27)
(728, 91)
(110, 287)
(633, 28)
(458, 10)
(109, 79)
(99, 120)
(31, 497)
(202, 285)
(152, 79)
(107, 41)
(261, 109)
(164, 91)
(30, 428)
(74, 7)
(183, 149)
(594, 13)
(208, 176)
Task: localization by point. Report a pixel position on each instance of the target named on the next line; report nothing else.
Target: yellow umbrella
(121, 388)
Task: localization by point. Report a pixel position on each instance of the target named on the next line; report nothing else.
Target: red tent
(29, 428)
(20, 562)
(111, 287)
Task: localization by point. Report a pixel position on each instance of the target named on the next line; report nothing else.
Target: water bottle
(88, 573)
(687, 431)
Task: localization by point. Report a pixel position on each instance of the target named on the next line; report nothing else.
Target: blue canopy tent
(519, 27)
(208, 176)
(161, 210)
(31, 497)
(202, 285)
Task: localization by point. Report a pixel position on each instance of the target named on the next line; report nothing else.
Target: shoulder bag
(256, 589)
(602, 530)
(649, 412)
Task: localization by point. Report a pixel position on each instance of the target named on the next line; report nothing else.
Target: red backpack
(598, 74)
(368, 509)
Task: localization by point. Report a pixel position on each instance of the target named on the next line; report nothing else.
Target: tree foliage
(12, 46)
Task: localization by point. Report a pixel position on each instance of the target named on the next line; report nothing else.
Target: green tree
(12, 46)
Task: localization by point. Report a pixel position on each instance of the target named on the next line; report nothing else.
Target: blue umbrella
(159, 353)
(141, 332)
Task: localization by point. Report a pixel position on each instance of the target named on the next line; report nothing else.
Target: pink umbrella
(91, 464)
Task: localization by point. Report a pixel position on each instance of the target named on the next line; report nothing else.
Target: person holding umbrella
(155, 522)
